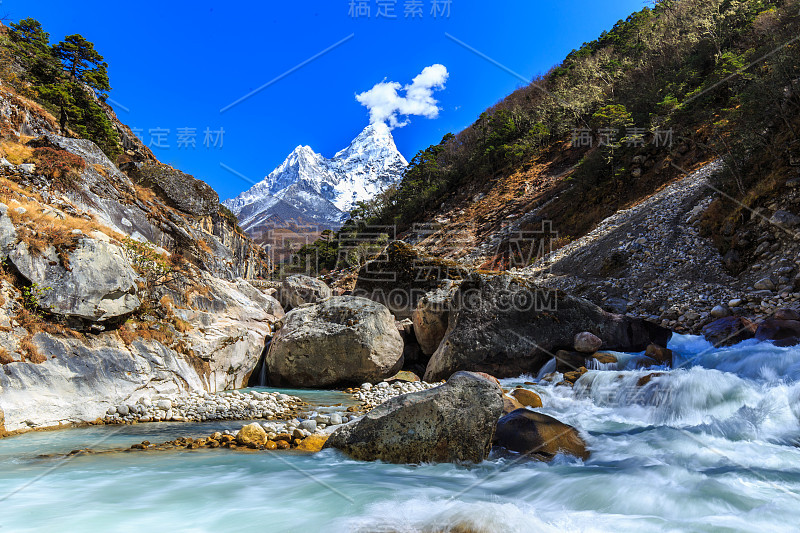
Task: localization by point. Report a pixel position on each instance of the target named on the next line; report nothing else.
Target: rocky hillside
(653, 171)
(119, 278)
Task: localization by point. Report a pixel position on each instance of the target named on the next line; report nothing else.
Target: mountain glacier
(308, 189)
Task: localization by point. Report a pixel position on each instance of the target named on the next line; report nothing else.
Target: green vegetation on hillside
(723, 75)
(69, 78)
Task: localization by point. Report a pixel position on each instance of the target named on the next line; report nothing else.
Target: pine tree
(83, 63)
(30, 37)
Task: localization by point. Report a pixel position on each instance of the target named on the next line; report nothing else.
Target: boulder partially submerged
(729, 330)
(340, 341)
(454, 422)
(506, 326)
(538, 435)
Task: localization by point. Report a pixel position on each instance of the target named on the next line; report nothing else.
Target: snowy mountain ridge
(310, 187)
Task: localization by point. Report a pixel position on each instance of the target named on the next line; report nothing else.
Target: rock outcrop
(340, 341)
(401, 276)
(8, 235)
(97, 282)
(70, 268)
(508, 327)
(298, 290)
(182, 191)
(538, 435)
(454, 422)
(79, 378)
(430, 318)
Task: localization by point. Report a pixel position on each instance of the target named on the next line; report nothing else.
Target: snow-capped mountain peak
(324, 190)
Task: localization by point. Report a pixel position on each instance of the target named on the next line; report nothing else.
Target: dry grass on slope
(41, 226)
(16, 153)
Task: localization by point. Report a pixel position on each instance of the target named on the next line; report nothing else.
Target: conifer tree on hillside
(30, 36)
(69, 78)
(83, 63)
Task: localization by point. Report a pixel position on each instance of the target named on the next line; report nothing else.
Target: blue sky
(174, 65)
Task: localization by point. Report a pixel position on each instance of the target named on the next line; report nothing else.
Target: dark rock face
(538, 435)
(507, 327)
(413, 358)
(181, 190)
(401, 276)
(567, 361)
(451, 423)
(781, 332)
(340, 341)
(729, 330)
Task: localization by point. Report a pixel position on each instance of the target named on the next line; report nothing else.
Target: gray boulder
(764, 284)
(343, 340)
(586, 342)
(506, 327)
(298, 290)
(100, 283)
(785, 218)
(454, 422)
(430, 319)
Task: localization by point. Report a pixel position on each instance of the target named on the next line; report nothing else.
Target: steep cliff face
(117, 280)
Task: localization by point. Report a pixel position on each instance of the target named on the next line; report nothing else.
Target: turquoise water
(708, 447)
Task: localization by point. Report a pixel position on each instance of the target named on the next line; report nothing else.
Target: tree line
(720, 66)
(69, 78)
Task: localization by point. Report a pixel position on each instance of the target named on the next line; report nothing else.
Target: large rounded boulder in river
(340, 341)
(298, 290)
(507, 326)
(454, 422)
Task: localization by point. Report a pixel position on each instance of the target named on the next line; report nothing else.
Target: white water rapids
(709, 446)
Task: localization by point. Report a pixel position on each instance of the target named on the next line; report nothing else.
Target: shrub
(59, 165)
(5, 357)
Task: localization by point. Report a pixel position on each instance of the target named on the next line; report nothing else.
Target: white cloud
(386, 105)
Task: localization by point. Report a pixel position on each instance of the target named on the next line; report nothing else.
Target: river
(709, 446)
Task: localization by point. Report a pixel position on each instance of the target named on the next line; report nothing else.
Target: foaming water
(708, 446)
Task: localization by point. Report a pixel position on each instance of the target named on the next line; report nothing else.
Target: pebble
(383, 391)
(199, 406)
